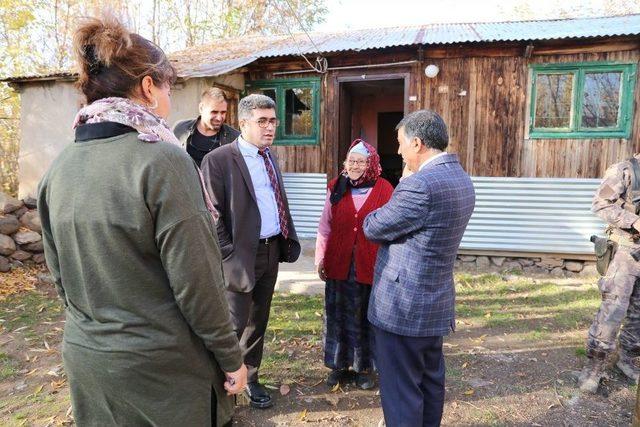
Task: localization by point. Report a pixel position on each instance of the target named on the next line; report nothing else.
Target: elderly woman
(345, 260)
(130, 241)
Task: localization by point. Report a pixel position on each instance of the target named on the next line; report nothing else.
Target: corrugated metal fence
(541, 215)
(533, 215)
(306, 193)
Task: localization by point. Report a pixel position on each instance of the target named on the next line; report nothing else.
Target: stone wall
(20, 238)
(556, 267)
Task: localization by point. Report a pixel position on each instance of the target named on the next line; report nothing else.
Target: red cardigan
(347, 238)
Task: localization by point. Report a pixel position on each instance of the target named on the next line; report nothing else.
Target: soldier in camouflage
(617, 203)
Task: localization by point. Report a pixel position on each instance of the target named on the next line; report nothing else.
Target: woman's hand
(236, 381)
(321, 272)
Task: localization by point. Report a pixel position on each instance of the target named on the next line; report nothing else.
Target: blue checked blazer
(419, 231)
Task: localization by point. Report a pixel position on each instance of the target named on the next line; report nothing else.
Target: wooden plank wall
(482, 93)
(322, 158)
(484, 100)
(581, 158)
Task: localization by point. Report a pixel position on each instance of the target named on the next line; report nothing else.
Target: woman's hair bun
(112, 61)
(97, 42)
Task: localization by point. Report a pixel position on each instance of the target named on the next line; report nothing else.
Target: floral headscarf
(368, 178)
(151, 127)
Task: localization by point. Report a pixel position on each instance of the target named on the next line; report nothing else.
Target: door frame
(333, 168)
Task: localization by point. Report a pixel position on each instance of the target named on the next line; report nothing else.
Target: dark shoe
(364, 380)
(591, 375)
(628, 366)
(335, 377)
(258, 396)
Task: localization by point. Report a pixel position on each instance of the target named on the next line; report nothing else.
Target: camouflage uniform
(620, 295)
(619, 298)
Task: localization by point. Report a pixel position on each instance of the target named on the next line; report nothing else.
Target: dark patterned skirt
(347, 337)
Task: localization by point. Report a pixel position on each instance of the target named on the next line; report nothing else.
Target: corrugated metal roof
(458, 33)
(216, 68)
(44, 76)
(225, 55)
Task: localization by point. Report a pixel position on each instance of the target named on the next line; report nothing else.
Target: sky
(360, 14)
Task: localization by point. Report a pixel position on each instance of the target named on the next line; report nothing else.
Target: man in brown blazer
(255, 228)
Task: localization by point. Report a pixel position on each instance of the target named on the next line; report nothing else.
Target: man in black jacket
(206, 132)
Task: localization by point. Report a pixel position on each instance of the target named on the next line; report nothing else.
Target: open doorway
(370, 110)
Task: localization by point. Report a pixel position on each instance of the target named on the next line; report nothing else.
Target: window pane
(553, 100)
(601, 100)
(298, 112)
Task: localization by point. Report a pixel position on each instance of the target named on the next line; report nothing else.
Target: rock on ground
(7, 245)
(9, 204)
(25, 237)
(31, 220)
(9, 224)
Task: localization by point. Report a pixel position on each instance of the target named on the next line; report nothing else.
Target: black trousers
(411, 373)
(250, 310)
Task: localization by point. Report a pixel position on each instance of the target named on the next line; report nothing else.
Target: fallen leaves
(285, 389)
(17, 281)
(57, 385)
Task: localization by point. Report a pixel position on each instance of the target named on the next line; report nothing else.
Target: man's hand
(321, 272)
(236, 381)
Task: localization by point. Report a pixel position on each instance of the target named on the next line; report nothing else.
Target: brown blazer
(228, 181)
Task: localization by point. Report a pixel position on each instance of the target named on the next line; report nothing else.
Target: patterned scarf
(151, 127)
(368, 178)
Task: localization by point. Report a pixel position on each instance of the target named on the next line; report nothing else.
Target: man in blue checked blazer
(412, 302)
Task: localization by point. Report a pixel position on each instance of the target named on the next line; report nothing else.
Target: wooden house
(536, 110)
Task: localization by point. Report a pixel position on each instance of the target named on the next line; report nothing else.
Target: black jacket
(184, 130)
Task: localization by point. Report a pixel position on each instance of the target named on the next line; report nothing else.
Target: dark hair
(427, 126)
(112, 61)
(252, 102)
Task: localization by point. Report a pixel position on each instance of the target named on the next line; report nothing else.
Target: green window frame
(578, 71)
(280, 87)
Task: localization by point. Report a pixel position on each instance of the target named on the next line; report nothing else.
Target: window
(585, 100)
(298, 108)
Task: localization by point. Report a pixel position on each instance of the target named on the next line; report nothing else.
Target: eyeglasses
(263, 123)
(357, 162)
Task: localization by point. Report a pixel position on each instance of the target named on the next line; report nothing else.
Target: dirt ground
(513, 360)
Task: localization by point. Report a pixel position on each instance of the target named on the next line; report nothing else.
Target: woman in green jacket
(130, 240)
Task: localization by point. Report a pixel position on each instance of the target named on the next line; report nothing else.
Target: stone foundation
(555, 267)
(20, 238)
